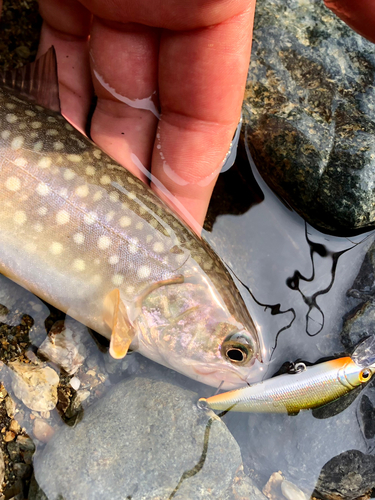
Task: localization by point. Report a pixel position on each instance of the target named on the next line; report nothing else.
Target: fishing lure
(306, 388)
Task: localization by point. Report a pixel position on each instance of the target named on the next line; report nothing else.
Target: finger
(359, 15)
(202, 77)
(170, 14)
(66, 26)
(124, 69)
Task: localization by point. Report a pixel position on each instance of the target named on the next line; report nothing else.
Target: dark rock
(359, 325)
(310, 95)
(145, 439)
(14, 451)
(347, 476)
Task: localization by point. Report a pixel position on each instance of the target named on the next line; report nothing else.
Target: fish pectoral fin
(116, 317)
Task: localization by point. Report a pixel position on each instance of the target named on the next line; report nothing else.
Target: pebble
(9, 436)
(22, 51)
(15, 427)
(75, 383)
(291, 491)
(42, 430)
(34, 385)
(10, 406)
(65, 345)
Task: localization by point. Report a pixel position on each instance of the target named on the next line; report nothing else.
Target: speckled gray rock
(311, 102)
(146, 439)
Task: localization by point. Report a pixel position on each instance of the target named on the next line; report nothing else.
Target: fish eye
(238, 348)
(365, 375)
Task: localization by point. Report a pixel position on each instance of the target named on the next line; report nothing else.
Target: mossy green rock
(311, 113)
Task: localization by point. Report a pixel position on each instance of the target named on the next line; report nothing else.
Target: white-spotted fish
(88, 237)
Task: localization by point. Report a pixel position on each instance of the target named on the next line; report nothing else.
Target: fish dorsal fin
(116, 317)
(37, 81)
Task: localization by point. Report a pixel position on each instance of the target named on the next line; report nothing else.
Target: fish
(85, 235)
(310, 387)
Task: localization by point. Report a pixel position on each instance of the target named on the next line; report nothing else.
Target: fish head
(183, 328)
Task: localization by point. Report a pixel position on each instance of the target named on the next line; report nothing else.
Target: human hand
(359, 15)
(188, 59)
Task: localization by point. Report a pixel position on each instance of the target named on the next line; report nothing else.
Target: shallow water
(294, 280)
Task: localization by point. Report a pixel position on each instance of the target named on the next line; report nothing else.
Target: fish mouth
(214, 377)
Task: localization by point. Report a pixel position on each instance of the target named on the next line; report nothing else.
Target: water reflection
(132, 429)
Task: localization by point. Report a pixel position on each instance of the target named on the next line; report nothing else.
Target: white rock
(75, 383)
(291, 492)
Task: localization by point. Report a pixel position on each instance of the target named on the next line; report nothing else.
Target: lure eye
(365, 375)
(238, 348)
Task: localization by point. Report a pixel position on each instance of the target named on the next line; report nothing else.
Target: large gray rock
(146, 439)
(310, 97)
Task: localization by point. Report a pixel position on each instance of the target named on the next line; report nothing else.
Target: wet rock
(359, 325)
(310, 97)
(34, 385)
(64, 345)
(347, 476)
(145, 439)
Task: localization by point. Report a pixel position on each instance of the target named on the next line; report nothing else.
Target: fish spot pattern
(74, 193)
(117, 279)
(58, 146)
(79, 238)
(17, 143)
(125, 221)
(45, 162)
(13, 184)
(20, 217)
(20, 162)
(144, 272)
(11, 118)
(56, 248)
(42, 189)
(79, 265)
(62, 217)
(113, 260)
(104, 242)
(82, 191)
(69, 174)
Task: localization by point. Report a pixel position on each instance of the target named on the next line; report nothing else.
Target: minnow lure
(310, 387)
(85, 235)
